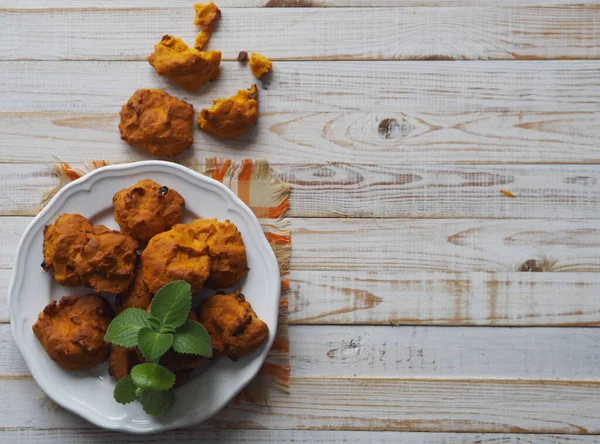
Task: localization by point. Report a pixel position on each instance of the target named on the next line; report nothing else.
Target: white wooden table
(397, 122)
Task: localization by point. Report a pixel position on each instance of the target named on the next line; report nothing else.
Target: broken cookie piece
(207, 15)
(187, 67)
(231, 117)
(201, 40)
(260, 65)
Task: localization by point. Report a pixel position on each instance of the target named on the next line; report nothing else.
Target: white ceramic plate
(90, 393)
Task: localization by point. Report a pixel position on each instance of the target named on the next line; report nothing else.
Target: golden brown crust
(121, 361)
(260, 65)
(157, 122)
(228, 262)
(175, 255)
(207, 14)
(72, 331)
(62, 242)
(146, 209)
(187, 67)
(107, 260)
(230, 117)
(137, 295)
(232, 325)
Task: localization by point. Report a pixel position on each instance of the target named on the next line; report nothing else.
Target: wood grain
(185, 436)
(419, 352)
(380, 138)
(422, 298)
(422, 245)
(427, 272)
(434, 405)
(393, 86)
(447, 246)
(461, 299)
(126, 4)
(341, 190)
(309, 33)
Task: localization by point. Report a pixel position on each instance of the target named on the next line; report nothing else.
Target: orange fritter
(146, 209)
(72, 331)
(157, 122)
(62, 241)
(175, 255)
(259, 65)
(137, 295)
(228, 263)
(232, 325)
(107, 260)
(187, 67)
(122, 360)
(207, 15)
(232, 116)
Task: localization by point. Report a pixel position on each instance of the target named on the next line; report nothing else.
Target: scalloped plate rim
(86, 182)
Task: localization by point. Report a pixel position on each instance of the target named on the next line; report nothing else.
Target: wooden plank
(186, 436)
(422, 298)
(380, 138)
(448, 246)
(60, 436)
(333, 34)
(4, 280)
(433, 405)
(471, 192)
(125, 4)
(494, 86)
(419, 352)
(421, 245)
(342, 190)
(462, 299)
(11, 229)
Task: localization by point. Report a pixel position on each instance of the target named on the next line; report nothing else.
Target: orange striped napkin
(257, 185)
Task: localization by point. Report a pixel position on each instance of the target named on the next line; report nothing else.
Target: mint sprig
(155, 333)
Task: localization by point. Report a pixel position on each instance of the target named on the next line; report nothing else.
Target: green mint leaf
(192, 338)
(125, 390)
(123, 330)
(157, 403)
(167, 329)
(155, 323)
(153, 344)
(152, 377)
(172, 303)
